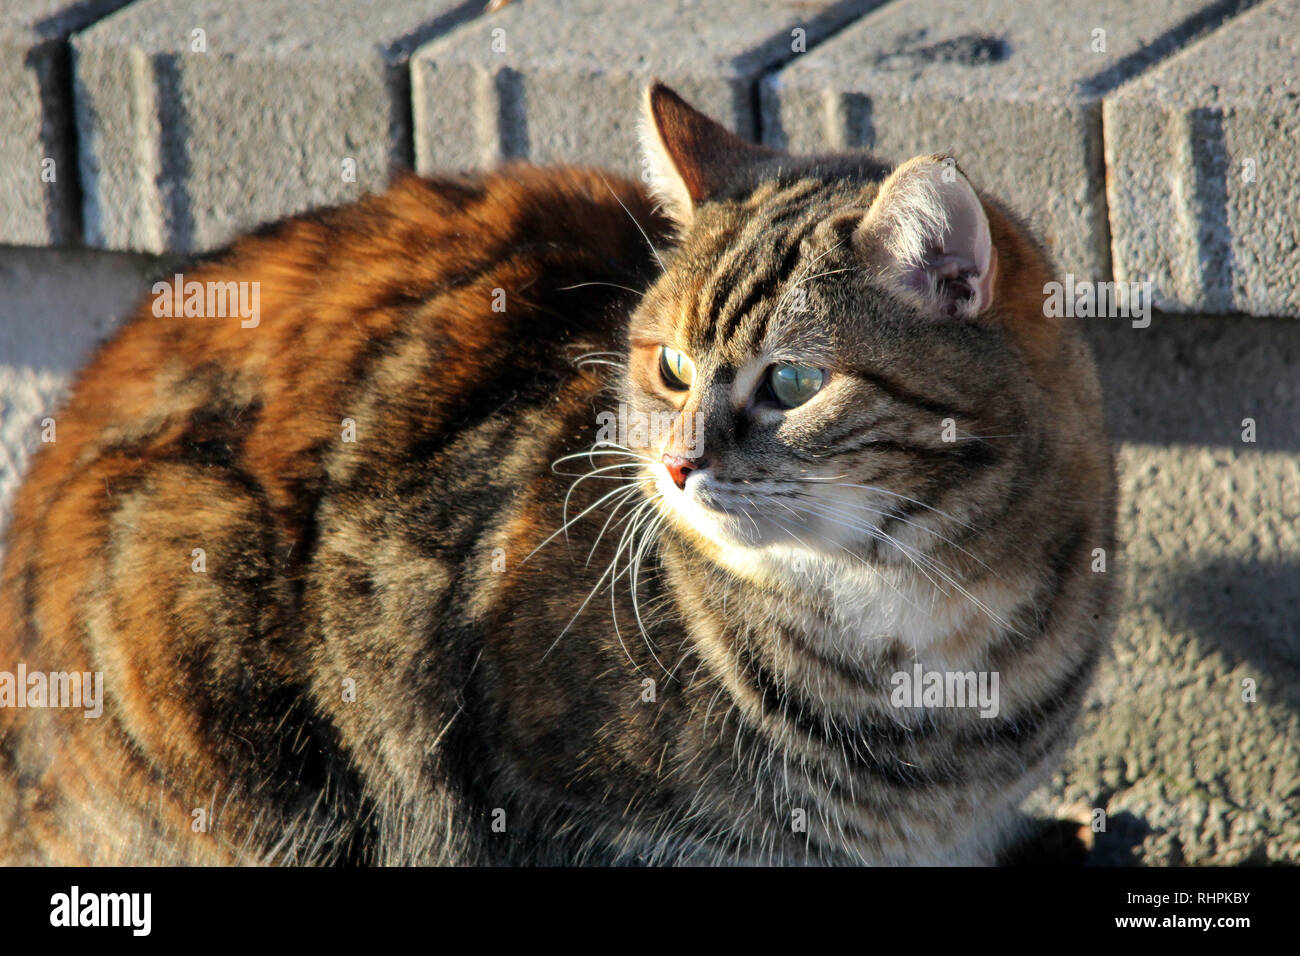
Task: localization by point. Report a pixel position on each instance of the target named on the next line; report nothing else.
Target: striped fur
(633, 689)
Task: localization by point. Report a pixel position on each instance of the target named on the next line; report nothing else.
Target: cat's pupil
(676, 369)
(792, 385)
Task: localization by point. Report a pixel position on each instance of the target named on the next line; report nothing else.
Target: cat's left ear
(690, 158)
(927, 235)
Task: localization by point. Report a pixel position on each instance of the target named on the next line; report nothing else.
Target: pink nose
(679, 467)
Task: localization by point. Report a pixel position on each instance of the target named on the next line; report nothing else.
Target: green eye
(677, 370)
(792, 384)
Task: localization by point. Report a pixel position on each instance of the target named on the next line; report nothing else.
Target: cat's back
(162, 538)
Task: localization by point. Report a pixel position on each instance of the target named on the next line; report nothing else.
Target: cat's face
(811, 372)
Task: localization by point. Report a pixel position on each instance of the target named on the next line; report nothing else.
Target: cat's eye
(792, 385)
(676, 369)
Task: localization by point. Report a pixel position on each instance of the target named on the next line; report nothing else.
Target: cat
(543, 517)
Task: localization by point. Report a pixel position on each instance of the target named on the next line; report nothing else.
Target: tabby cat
(544, 519)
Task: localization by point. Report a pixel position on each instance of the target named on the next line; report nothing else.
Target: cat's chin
(725, 529)
(744, 532)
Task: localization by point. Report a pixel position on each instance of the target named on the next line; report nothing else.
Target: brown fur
(489, 693)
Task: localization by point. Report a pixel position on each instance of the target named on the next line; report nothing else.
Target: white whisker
(644, 234)
(612, 285)
(884, 491)
(917, 558)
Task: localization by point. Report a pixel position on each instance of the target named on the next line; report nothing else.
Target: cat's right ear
(928, 236)
(690, 158)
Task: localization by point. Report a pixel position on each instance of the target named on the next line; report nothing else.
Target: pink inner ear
(929, 232)
(952, 280)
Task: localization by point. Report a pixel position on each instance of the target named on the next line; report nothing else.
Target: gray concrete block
(1188, 770)
(38, 169)
(1014, 90)
(561, 80)
(199, 119)
(1191, 742)
(1201, 156)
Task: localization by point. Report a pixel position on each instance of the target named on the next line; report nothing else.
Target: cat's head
(840, 347)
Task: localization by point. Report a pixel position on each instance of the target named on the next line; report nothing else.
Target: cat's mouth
(728, 514)
(722, 501)
(762, 515)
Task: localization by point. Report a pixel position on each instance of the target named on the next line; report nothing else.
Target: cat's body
(385, 653)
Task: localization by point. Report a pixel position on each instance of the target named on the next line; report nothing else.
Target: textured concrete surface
(199, 119)
(38, 161)
(1201, 157)
(1159, 136)
(1187, 771)
(1013, 89)
(562, 80)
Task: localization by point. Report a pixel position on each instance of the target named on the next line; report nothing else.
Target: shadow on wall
(1247, 611)
(1192, 380)
(57, 305)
